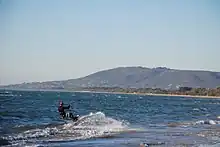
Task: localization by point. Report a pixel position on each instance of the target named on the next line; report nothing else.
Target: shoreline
(176, 95)
(154, 94)
(87, 91)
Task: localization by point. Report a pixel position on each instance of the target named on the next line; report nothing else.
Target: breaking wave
(89, 126)
(199, 122)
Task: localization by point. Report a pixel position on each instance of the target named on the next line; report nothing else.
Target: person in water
(61, 109)
(62, 112)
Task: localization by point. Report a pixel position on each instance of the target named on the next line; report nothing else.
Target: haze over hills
(135, 77)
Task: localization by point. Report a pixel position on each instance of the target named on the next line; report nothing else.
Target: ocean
(30, 118)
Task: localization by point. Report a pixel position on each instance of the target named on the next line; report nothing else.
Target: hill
(134, 77)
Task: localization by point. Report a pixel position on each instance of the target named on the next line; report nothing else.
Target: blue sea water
(30, 118)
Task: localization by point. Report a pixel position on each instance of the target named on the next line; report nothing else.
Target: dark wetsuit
(61, 110)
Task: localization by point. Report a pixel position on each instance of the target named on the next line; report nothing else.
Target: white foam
(199, 122)
(95, 125)
(195, 109)
(208, 122)
(89, 126)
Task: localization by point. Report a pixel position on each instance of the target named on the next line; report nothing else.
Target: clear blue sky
(56, 40)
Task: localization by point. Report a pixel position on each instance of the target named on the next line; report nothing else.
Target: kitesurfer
(61, 109)
(63, 114)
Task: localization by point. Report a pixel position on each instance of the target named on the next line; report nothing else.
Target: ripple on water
(32, 119)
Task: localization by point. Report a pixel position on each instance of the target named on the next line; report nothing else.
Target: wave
(92, 125)
(205, 129)
(10, 95)
(199, 122)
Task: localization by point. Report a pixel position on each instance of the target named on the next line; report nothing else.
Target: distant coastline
(181, 92)
(152, 94)
(133, 76)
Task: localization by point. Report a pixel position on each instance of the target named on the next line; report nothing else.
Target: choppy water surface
(30, 118)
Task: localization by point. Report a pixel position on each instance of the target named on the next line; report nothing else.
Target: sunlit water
(31, 119)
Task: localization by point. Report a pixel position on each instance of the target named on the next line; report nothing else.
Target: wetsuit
(61, 110)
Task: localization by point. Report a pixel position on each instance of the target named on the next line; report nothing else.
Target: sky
(58, 40)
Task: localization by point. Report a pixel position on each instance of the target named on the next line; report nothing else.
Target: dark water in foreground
(31, 119)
